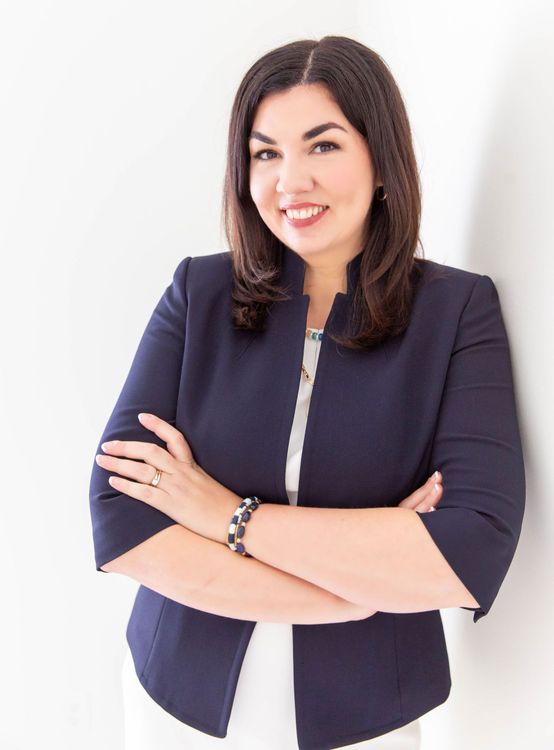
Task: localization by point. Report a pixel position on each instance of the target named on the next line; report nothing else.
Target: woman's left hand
(185, 492)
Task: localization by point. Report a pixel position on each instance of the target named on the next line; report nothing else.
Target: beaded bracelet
(237, 526)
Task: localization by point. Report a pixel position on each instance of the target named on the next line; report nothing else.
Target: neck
(319, 281)
(321, 284)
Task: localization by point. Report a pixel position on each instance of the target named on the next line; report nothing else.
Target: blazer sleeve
(120, 522)
(477, 447)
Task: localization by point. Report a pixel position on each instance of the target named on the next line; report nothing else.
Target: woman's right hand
(423, 499)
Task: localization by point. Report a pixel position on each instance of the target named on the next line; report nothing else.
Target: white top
(267, 668)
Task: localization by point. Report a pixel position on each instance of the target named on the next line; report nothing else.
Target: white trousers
(148, 726)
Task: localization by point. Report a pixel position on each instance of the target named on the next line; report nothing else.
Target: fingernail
(431, 508)
(142, 415)
(435, 488)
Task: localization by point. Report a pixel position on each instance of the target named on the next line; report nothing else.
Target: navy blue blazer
(439, 396)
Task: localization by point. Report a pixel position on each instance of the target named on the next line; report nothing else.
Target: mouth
(294, 218)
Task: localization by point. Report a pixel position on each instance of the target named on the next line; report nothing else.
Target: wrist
(228, 507)
(241, 518)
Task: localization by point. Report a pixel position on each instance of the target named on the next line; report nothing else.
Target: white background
(113, 129)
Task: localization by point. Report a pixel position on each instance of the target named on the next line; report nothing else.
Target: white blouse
(267, 668)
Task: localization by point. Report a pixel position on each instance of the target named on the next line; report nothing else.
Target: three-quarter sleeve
(120, 522)
(477, 447)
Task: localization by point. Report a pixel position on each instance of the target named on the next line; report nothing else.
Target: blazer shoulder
(211, 273)
(447, 298)
(442, 282)
(432, 270)
(210, 269)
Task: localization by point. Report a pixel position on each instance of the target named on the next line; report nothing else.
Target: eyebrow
(308, 135)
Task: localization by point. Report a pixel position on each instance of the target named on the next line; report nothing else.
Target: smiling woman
(351, 386)
(305, 173)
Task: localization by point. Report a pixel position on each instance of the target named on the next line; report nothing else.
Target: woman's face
(294, 169)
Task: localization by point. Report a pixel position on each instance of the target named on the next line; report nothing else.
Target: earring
(383, 195)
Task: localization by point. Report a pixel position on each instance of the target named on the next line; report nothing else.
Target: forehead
(296, 111)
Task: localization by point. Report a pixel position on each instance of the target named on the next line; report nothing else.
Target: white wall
(112, 139)
(477, 78)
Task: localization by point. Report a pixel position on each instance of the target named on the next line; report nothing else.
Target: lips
(298, 206)
(299, 223)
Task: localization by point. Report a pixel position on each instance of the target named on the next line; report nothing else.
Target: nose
(294, 179)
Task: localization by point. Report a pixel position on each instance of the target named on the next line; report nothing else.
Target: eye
(327, 143)
(259, 154)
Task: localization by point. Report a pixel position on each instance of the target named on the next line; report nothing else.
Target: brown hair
(365, 90)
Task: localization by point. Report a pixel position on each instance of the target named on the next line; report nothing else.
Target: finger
(423, 508)
(140, 472)
(422, 492)
(430, 501)
(151, 453)
(153, 496)
(175, 440)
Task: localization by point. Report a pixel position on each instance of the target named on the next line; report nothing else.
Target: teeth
(304, 213)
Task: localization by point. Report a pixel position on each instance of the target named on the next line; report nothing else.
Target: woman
(324, 631)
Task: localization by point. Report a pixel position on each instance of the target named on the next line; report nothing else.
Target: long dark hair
(365, 90)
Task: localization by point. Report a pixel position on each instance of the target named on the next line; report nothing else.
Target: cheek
(258, 190)
(345, 177)
(341, 184)
(264, 196)
(351, 186)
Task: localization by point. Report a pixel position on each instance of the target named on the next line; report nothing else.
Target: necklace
(315, 334)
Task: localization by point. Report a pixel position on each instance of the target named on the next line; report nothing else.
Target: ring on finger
(157, 476)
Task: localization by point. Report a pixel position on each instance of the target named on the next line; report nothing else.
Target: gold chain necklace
(315, 334)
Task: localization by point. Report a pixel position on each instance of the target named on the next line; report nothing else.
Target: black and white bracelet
(238, 523)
